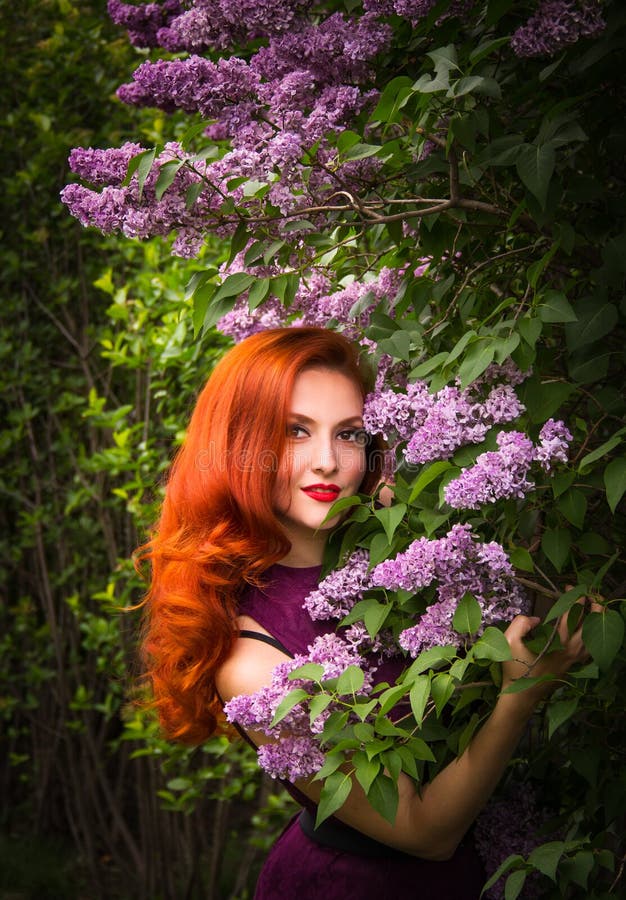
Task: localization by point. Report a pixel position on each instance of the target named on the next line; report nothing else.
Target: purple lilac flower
(498, 474)
(194, 85)
(104, 166)
(291, 758)
(337, 50)
(557, 24)
(219, 24)
(241, 322)
(416, 10)
(553, 447)
(502, 474)
(507, 826)
(458, 564)
(435, 426)
(338, 592)
(143, 22)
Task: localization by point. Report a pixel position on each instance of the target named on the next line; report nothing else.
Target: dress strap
(266, 639)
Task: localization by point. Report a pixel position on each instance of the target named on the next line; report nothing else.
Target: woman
(276, 438)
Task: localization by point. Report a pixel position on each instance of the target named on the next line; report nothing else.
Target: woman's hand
(556, 663)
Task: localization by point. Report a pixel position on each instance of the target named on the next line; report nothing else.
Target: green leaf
(287, 704)
(559, 712)
(561, 482)
(429, 365)
(477, 359)
(333, 762)
(317, 706)
(365, 770)
(392, 762)
(433, 658)
(201, 299)
(535, 166)
(140, 165)
(167, 174)
(603, 634)
(420, 749)
(420, 692)
(361, 151)
(335, 792)
(542, 400)
(441, 689)
(238, 241)
(258, 292)
(427, 475)
(390, 517)
(350, 681)
(615, 482)
(504, 867)
(375, 617)
(467, 616)
(393, 98)
(555, 307)
(546, 858)
(556, 543)
(390, 697)
(601, 451)
(579, 868)
(573, 505)
(521, 559)
(341, 505)
(313, 671)
(233, 285)
(593, 323)
(514, 884)
(383, 795)
(492, 644)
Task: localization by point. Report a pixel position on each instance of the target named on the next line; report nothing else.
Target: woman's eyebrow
(351, 420)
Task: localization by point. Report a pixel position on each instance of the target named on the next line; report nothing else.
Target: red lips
(323, 493)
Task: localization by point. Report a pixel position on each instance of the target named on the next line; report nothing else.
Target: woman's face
(325, 456)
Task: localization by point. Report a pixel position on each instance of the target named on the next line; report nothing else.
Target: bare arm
(431, 823)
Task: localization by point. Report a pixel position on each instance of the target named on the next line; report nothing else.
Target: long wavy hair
(217, 531)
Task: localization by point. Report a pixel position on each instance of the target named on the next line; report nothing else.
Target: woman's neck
(305, 552)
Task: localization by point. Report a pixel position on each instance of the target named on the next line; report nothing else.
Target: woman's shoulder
(249, 665)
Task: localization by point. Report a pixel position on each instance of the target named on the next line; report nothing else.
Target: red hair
(217, 531)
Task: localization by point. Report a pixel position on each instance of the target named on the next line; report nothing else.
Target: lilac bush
(407, 172)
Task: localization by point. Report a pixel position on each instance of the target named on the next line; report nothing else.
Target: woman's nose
(324, 457)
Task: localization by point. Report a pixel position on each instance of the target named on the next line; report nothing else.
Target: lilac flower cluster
(557, 24)
(219, 24)
(139, 213)
(416, 10)
(314, 303)
(288, 96)
(436, 425)
(144, 22)
(502, 474)
(338, 592)
(295, 753)
(510, 825)
(458, 563)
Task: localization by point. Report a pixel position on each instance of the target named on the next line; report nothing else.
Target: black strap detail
(266, 638)
(337, 836)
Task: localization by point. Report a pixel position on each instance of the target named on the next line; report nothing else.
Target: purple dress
(300, 868)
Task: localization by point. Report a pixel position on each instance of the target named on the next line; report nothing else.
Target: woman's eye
(354, 435)
(296, 431)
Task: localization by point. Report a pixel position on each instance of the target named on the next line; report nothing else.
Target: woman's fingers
(520, 627)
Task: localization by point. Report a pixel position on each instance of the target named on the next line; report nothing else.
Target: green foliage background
(100, 367)
(99, 372)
